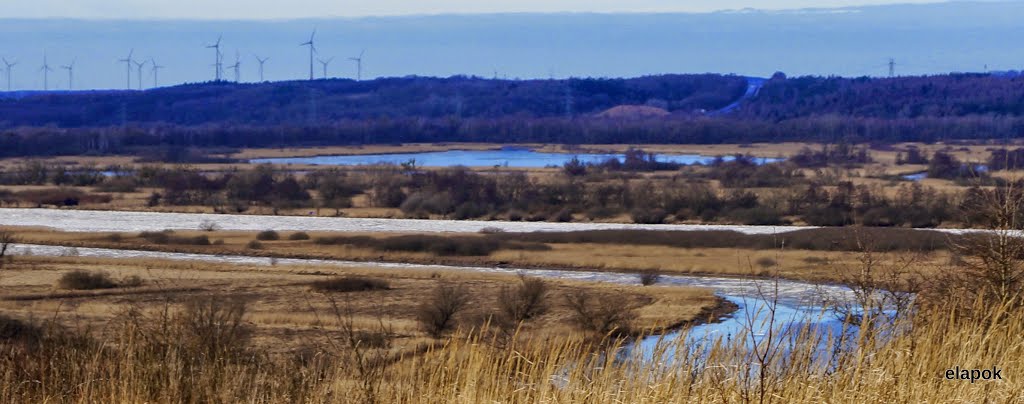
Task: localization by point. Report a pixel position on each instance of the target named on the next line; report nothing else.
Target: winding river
(797, 302)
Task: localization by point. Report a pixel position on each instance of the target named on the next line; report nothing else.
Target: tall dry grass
(202, 356)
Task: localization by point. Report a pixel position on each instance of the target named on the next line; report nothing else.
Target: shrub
(299, 236)
(14, 329)
(350, 284)
(254, 245)
(648, 216)
(491, 230)
(84, 280)
(208, 225)
(437, 313)
(766, 262)
(523, 302)
(649, 277)
(562, 216)
(597, 315)
(268, 235)
(118, 184)
(156, 237)
(214, 326)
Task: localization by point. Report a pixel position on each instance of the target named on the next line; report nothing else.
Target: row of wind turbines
(218, 65)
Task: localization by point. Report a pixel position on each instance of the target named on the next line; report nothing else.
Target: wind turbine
(128, 62)
(312, 50)
(237, 66)
(9, 65)
(156, 68)
(71, 74)
(325, 63)
(262, 61)
(139, 65)
(216, 48)
(359, 65)
(46, 73)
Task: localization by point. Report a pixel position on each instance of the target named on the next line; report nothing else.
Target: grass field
(287, 310)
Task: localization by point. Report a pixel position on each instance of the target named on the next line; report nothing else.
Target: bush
(12, 329)
(268, 235)
(598, 315)
(766, 262)
(208, 225)
(437, 313)
(562, 216)
(156, 237)
(254, 245)
(524, 302)
(648, 216)
(167, 237)
(350, 284)
(214, 326)
(118, 184)
(299, 236)
(649, 277)
(84, 280)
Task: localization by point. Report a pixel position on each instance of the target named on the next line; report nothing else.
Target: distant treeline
(461, 109)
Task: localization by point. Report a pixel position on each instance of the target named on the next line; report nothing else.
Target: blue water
(507, 157)
(916, 177)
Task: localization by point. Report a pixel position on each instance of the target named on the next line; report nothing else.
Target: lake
(506, 157)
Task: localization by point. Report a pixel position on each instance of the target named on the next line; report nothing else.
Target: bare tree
(991, 261)
(879, 283)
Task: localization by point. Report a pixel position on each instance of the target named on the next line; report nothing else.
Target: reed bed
(206, 358)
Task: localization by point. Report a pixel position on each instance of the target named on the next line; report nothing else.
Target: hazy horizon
(303, 9)
(924, 39)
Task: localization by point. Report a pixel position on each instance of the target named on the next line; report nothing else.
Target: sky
(929, 38)
(278, 9)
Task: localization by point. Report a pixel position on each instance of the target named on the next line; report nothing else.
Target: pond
(506, 157)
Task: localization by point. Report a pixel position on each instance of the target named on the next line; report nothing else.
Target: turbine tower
(156, 68)
(312, 51)
(71, 74)
(325, 63)
(46, 73)
(237, 66)
(10, 66)
(128, 63)
(216, 64)
(262, 61)
(359, 65)
(140, 65)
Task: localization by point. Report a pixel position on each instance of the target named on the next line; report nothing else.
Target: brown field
(802, 265)
(288, 314)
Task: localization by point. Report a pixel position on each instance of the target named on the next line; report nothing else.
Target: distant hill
(653, 109)
(328, 101)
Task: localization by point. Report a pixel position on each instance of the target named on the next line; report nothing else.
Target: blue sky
(924, 39)
(278, 9)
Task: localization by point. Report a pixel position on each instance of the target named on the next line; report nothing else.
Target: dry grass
(791, 264)
(287, 306)
(156, 359)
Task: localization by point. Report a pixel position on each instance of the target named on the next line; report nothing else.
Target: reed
(178, 358)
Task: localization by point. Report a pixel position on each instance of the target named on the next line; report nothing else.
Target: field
(919, 302)
(617, 251)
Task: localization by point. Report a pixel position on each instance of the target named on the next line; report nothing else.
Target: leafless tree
(991, 261)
